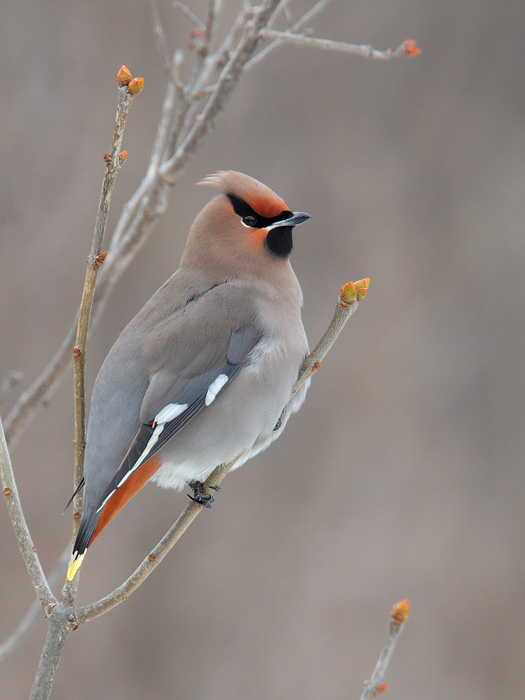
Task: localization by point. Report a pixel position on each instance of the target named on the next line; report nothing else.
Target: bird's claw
(202, 500)
(199, 496)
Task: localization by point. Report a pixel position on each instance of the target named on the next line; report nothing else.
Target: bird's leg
(198, 494)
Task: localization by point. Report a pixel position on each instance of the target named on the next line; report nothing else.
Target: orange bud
(362, 288)
(411, 48)
(348, 294)
(100, 259)
(122, 156)
(400, 612)
(107, 158)
(7, 491)
(76, 352)
(380, 688)
(135, 86)
(123, 76)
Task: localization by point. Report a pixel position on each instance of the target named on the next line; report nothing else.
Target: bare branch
(210, 27)
(48, 381)
(347, 304)
(59, 625)
(95, 259)
(398, 617)
(160, 40)
(227, 82)
(312, 12)
(127, 90)
(23, 536)
(351, 294)
(407, 48)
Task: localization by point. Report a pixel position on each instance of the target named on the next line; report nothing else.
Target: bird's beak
(298, 217)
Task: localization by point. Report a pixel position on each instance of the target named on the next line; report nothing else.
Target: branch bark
(407, 48)
(398, 617)
(23, 536)
(95, 259)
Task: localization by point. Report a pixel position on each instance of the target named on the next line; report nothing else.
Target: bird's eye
(249, 220)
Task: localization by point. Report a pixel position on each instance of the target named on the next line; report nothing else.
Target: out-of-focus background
(403, 474)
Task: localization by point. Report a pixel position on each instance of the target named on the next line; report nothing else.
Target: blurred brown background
(403, 474)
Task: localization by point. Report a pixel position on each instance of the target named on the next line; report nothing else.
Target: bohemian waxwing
(203, 373)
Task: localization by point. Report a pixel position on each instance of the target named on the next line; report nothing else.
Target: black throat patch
(278, 242)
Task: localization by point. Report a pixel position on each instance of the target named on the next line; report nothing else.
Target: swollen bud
(348, 294)
(362, 288)
(123, 76)
(411, 48)
(135, 86)
(400, 612)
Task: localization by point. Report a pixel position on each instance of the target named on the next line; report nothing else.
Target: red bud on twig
(348, 294)
(400, 612)
(123, 76)
(135, 86)
(411, 48)
(362, 288)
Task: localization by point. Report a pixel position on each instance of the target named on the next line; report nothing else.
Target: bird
(202, 375)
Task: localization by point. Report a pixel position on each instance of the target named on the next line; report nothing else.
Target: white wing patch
(165, 415)
(215, 387)
(169, 412)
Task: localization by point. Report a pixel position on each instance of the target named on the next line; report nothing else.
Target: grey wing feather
(166, 390)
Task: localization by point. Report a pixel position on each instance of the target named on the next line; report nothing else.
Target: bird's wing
(210, 343)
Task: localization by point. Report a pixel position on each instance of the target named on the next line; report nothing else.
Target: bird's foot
(199, 496)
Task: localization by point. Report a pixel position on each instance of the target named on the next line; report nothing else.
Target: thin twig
(312, 12)
(96, 257)
(211, 21)
(229, 78)
(398, 617)
(23, 536)
(366, 51)
(160, 40)
(346, 306)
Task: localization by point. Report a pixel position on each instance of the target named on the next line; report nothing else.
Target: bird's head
(247, 224)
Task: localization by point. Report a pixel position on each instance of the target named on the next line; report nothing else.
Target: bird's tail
(82, 541)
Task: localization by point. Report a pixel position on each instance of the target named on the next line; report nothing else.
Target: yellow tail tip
(74, 565)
